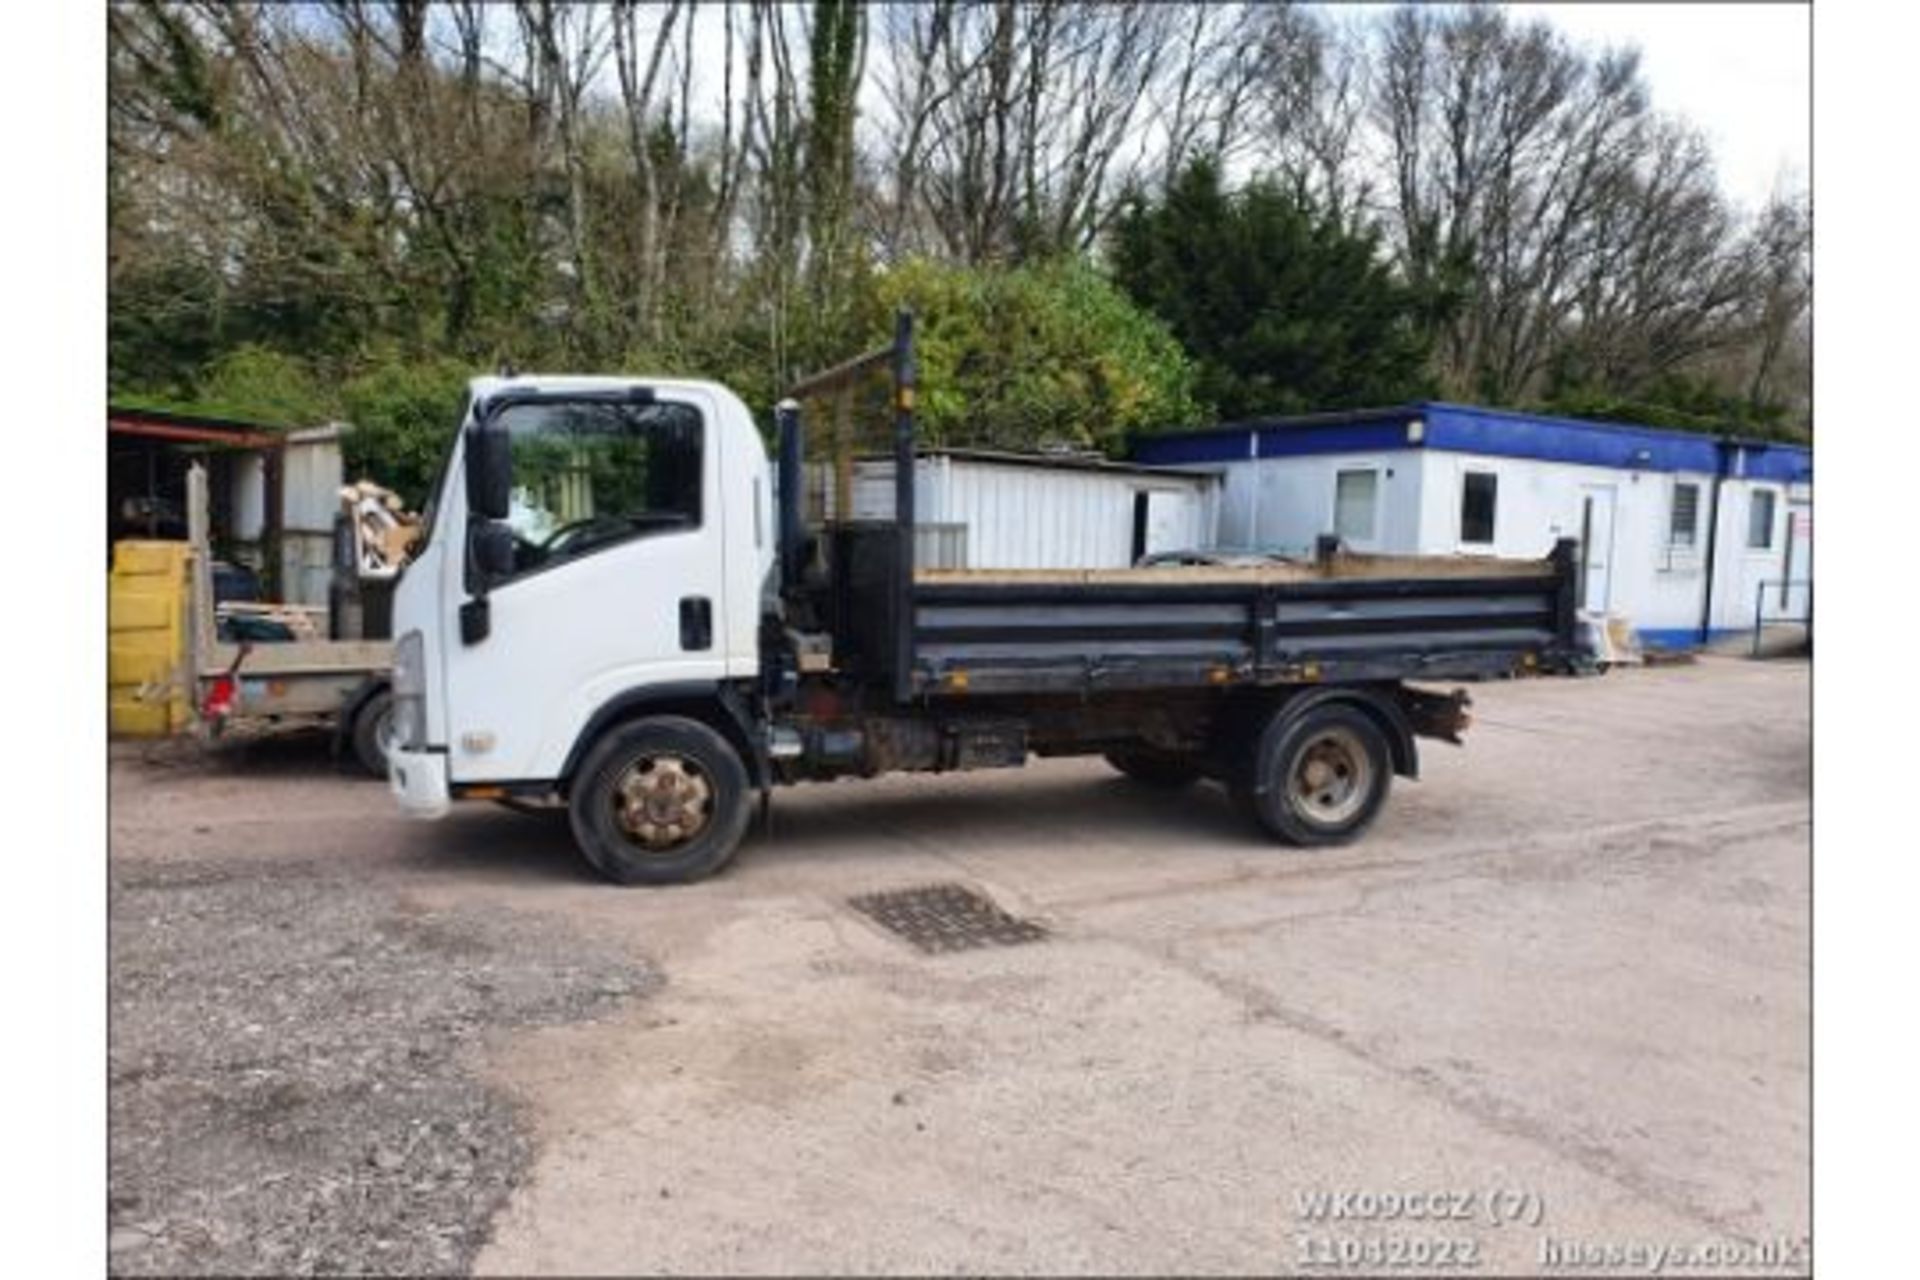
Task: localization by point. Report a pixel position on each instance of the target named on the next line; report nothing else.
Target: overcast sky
(1741, 72)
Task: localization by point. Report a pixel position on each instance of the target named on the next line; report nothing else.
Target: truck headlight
(410, 666)
(408, 722)
(409, 683)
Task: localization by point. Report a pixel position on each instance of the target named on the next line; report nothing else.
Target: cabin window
(1683, 524)
(1356, 500)
(1479, 493)
(591, 474)
(1760, 520)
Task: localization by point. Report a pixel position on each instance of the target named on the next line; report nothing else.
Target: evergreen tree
(1284, 308)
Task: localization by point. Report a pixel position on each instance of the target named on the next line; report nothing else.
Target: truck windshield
(591, 473)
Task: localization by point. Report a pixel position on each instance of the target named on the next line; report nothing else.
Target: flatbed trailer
(343, 683)
(650, 682)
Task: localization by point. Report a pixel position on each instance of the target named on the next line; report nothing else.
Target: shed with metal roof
(998, 509)
(273, 491)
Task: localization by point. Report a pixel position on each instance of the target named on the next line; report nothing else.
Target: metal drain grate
(946, 917)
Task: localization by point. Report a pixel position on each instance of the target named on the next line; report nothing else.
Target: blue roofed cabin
(1689, 537)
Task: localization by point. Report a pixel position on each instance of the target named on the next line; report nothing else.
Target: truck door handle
(696, 623)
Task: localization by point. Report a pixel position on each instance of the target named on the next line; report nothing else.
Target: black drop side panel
(998, 638)
(1410, 619)
(865, 618)
(1036, 638)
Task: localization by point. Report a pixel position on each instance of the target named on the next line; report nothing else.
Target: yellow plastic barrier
(147, 678)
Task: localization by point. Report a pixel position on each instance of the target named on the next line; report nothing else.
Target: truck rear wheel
(1154, 768)
(662, 800)
(1318, 778)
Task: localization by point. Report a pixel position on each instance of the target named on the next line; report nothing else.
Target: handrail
(897, 357)
(828, 379)
(1760, 619)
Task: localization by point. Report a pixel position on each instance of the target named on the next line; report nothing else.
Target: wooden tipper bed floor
(1336, 569)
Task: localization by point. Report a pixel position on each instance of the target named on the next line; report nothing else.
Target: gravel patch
(290, 1086)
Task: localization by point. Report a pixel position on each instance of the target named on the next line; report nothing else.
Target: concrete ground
(1562, 987)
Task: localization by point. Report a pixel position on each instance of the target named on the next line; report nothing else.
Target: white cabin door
(1596, 546)
(1161, 522)
(1166, 521)
(1796, 572)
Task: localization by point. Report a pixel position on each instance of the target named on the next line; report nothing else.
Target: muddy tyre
(371, 726)
(1319, 778)
(1158, 769)
(663, 800)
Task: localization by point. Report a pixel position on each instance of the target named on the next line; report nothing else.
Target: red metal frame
(204, 435)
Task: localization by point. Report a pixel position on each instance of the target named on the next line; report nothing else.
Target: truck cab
(593, 543)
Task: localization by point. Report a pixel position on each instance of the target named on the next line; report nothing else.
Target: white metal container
(310, 496)
(982, 509)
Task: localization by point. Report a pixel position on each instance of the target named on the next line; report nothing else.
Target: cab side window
(588, 475)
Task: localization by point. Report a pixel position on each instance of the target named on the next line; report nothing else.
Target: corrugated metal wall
(1002, 515)
(310, 497)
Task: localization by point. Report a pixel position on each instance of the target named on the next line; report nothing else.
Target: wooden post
(200, 623)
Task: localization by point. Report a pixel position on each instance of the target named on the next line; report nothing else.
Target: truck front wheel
(663, 800)
(1318, 778)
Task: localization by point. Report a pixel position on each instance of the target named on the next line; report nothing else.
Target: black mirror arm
(476, 620)
(476, 613)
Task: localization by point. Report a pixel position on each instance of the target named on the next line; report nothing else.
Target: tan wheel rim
(663, 801)
(1331, 778)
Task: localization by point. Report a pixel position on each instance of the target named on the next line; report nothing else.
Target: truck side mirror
(490, 548)
(489, 558)
(489, 470)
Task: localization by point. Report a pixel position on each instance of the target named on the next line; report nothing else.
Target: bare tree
(568, 45)
(1012, 127)
(454, 174)
(639, 75)
(1313, 91)
(915, 38)
(1668, 279)
(1503, 143)
(1206, 101)
(1781, 347)
(772, 140)
(727, 171)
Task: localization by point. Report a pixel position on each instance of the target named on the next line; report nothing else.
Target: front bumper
(419, 781)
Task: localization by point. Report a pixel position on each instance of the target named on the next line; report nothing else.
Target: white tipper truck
(617, 612)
